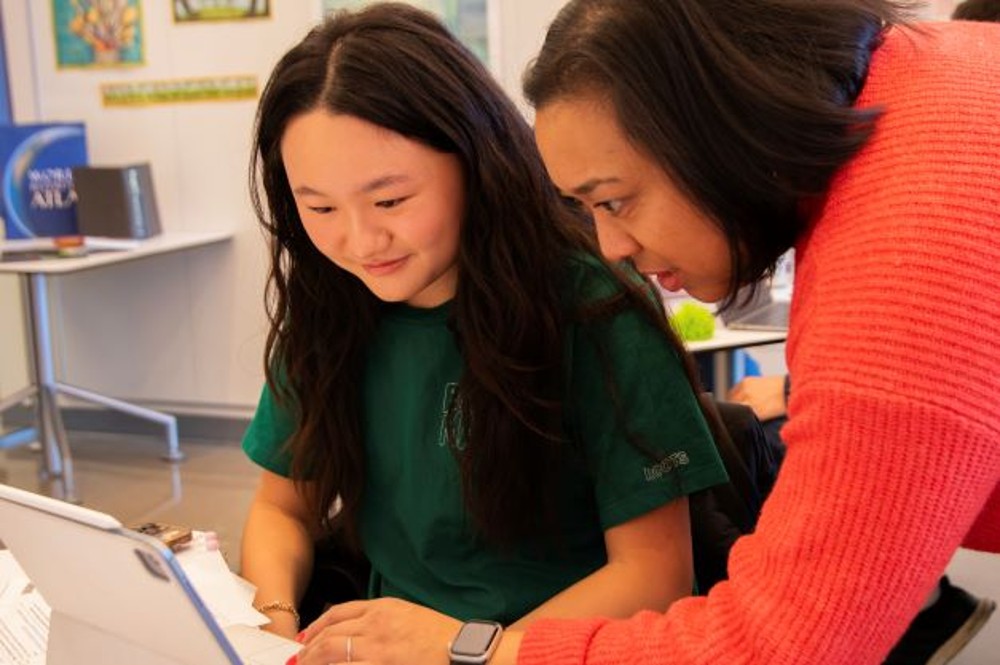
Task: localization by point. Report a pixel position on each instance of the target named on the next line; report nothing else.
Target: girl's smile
(380, 268)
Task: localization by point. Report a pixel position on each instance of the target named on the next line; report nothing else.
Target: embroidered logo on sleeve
(666, 465)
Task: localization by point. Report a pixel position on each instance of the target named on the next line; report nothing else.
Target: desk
(723, 343)
(44, 386)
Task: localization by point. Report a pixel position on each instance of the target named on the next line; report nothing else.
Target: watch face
(475, 639)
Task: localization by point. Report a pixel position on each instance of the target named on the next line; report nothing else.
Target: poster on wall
(465, 18)
(220, 10)
(97, 33)
(37, 196)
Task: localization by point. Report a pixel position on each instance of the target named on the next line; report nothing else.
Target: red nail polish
(294, 659)
(301, 637)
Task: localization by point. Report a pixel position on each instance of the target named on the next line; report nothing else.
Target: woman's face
(384, 208)
(639, 213)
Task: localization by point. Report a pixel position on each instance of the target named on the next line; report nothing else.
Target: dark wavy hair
(748, 105)
(399, 68)
(977, 10)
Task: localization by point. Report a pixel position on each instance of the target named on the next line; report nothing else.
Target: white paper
(24, 629)
(228, 597)
(13, 580)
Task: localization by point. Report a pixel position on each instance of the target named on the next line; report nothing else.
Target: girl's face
(383, 207)
(639, 213)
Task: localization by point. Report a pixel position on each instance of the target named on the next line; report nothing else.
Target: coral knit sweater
(894, 422)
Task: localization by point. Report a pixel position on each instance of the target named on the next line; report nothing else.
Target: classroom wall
(13, 359)
(182, 332)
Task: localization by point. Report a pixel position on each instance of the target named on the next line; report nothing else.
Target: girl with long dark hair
(458, 387)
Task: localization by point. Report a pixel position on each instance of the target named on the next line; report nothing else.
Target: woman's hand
(386, 631)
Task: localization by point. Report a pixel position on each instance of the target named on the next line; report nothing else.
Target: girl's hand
(386, 631)
(282, 623)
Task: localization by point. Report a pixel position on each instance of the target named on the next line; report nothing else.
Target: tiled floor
(125, 476)
(211, 489)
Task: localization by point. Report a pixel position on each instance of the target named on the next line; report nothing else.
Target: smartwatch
(475, 642)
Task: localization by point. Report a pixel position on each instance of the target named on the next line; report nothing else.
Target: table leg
(51, 433)
(174, 453)
(22, 436)
(13, 400)
(722, 373)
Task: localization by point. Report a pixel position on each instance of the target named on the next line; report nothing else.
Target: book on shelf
(116, 201)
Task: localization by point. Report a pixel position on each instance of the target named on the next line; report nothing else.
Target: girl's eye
(390, 203)
(320, 210)
(613, 206)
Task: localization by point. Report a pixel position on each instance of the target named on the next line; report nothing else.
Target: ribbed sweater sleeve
(894, 422)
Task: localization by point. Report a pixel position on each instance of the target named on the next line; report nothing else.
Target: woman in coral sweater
(709, 136)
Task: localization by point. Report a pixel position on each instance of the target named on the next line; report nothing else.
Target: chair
(338, 576)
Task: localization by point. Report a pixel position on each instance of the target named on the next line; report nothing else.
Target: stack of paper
(24, 616)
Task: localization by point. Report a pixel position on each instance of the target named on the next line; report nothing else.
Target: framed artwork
(98, 33)
(220, 10)
(468, 19)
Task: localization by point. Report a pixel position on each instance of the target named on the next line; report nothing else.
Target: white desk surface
(161, 244)
(725, 338)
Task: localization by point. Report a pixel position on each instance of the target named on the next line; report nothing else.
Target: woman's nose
(616, 244)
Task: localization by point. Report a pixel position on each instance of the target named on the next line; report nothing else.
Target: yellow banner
(179, 91)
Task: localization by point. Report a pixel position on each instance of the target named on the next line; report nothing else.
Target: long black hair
(977, 10)
(397, 67)
(748, 105)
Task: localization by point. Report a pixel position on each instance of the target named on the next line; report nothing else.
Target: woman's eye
(390, 203)
(320, 210)
(614, 206)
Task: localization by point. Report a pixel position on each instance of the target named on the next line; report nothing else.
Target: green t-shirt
(414, 529)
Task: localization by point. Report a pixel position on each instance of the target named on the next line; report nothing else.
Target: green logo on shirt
(450, 391)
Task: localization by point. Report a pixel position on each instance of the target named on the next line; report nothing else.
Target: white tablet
(118, 596)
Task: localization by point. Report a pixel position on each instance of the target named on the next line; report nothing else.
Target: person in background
(977, 10)
(707, 137)
(498, 420)
(768, 397)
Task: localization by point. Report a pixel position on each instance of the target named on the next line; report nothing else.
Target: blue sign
(37, 197)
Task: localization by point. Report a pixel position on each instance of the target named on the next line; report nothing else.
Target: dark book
(116, 201)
